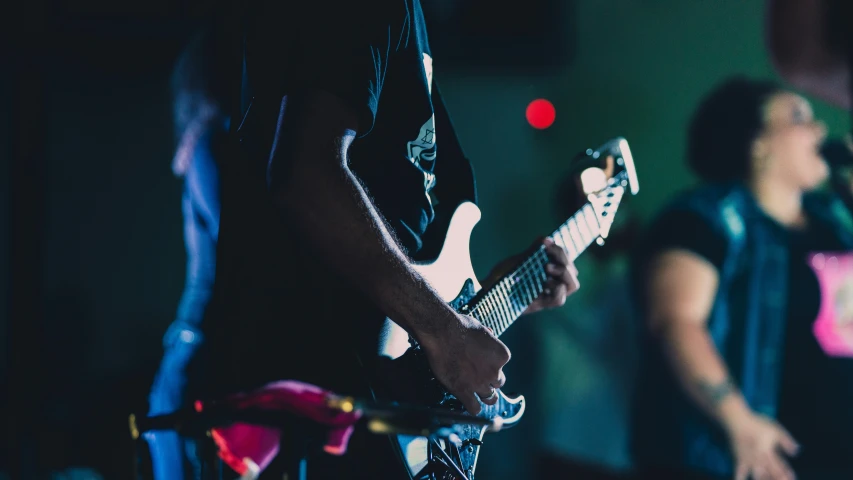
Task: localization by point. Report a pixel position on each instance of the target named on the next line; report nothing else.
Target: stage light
(540, 114)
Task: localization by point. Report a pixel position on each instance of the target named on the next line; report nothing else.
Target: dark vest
(747, 325)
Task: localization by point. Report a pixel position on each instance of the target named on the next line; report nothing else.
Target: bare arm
(682, 287)
(312, 183)
(797, 37)
(681, 291)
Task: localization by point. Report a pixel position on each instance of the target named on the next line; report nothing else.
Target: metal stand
(443, 428)
(293, 458)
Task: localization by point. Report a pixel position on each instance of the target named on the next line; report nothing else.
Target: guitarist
(338, 187)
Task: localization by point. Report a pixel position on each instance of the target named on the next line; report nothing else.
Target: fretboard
(500, 305)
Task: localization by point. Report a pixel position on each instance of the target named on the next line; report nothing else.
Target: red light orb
(540, 114)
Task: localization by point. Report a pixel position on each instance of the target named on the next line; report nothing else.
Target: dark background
(90, 217)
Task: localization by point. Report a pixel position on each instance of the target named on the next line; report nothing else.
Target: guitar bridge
(445, 462)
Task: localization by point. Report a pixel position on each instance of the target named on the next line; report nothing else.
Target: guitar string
(532, 266)
(497, 300)
(530, 269)
(523, 288)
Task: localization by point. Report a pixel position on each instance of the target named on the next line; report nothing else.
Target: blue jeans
(173, 457)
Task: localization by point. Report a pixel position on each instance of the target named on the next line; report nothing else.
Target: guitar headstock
(603, 175)
(609, 163)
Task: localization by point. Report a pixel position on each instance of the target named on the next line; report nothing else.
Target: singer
(733, 380)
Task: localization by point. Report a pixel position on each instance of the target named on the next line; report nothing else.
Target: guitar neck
(499, 306)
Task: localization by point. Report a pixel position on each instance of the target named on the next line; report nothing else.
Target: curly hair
(725, 125)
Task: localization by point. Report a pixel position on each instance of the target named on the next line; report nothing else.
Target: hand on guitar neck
(562, 275)
(460, 365)
(469, 362)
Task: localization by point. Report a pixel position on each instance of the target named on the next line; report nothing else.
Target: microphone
(837, 153)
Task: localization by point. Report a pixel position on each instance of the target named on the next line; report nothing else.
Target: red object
(540, 114)
(251, 448)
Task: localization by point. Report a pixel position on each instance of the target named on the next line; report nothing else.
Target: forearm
(340, 221)
(700, 370)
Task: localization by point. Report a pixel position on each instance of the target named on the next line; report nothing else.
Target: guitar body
(452, 276)
(405, 374)
(448, 274)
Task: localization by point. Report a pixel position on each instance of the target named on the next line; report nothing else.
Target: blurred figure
(811, 46)
(733, 380)
(201, 125)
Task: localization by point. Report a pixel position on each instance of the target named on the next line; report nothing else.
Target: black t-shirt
(278, 312)
(816, 389)
(374, 56)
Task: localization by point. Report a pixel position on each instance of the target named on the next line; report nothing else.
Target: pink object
(833, 327)
(249, 449)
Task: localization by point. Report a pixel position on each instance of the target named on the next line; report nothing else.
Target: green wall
(640, 69)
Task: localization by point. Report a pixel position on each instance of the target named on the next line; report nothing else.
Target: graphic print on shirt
(421, 150)
(833, 327)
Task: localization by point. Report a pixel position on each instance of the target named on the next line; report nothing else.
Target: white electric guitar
(452, 275)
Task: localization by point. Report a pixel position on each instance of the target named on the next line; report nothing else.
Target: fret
(541, 274)
(482, 310)
(489, 307)
(527, 281)
(510, 301)
(493, 308)
(591, 219)
(521, 287)
(532, 286)
(532, 275)
(491, 323)
(499, 308)
(507, 299)
(571, 248)
(576, 234)
(528, 286)
(503, 313)
(477, 313)
(558, 239)
(583, 226)
(510, 304)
